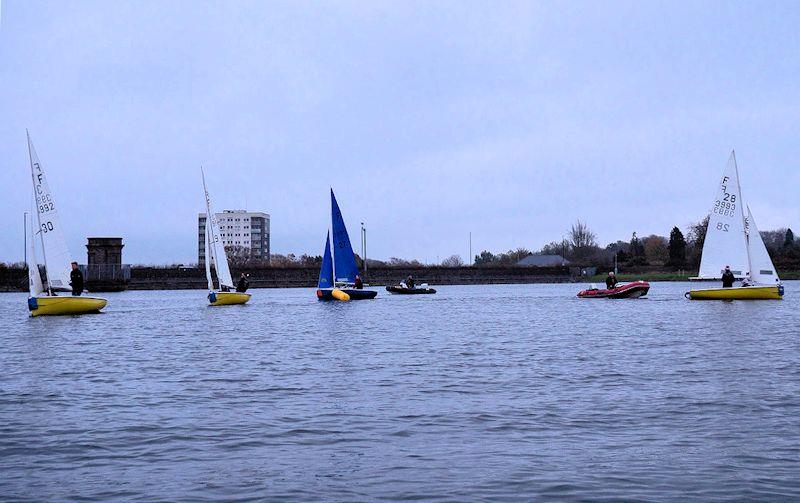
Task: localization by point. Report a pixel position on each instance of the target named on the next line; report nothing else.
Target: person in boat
(358, 283)
(76, 280)
(611, 281)
(727, 277)
(243, 284)
(409, 282)
(224, 288)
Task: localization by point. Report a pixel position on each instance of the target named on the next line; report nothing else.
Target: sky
(431, 120)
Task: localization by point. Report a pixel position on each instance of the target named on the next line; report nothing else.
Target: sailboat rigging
(732, 240)
(215, 255)
(55, 253)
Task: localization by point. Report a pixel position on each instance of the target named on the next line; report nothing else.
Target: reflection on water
(477, 392)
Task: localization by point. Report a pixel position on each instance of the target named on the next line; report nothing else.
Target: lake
(504, 392)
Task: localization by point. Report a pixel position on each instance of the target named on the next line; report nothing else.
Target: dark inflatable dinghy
(404, 290)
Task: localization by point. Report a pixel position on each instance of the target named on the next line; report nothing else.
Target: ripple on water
(477, 393)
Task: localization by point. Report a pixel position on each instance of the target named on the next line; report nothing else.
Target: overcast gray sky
(430, 119)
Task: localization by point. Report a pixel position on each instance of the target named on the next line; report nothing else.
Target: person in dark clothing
(76, 280)
(410, 282)
(611, 281)
(243, 284)
(358, 283)
(727, 277)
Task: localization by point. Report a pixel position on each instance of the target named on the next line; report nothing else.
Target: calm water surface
(476, 393)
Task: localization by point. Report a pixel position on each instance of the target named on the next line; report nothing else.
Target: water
(476, 393)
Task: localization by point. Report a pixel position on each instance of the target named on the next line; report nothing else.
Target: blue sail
(343, 257)
(326, 271)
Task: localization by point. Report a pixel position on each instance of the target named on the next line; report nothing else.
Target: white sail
(54, 247)
(217, 246)
(725, 242)
(762, 271)
(208, 256)
(34, 278)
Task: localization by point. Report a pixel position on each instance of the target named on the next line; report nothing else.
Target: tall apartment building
(238, 228)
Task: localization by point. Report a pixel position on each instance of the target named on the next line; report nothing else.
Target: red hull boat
(630, 291)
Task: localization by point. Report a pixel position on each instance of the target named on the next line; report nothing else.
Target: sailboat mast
(209, 227)
(38, 215)
(744, 218)
(333, 245)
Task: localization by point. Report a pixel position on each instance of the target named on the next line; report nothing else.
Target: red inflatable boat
(630, 291)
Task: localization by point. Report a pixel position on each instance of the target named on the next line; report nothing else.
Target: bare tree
(310, 260)
(583, 240)
(238, 256)
(278, 260)
(453, 261)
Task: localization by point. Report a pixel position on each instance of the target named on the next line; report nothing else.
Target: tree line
(679, 250)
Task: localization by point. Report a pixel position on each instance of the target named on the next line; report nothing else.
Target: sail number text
(725, 206)
(44, 201)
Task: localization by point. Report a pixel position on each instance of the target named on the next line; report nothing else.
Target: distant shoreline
(14, 279)
(192, 278)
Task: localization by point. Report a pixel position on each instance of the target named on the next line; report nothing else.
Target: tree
(485, 258)
(400, 262)
(311, 260)
(774, 240)
(560, 248)
(656, 251)
(636, 251)
(580, 236)
(514, 256)
(583, 240)
(278, 260)
(677, 248)
(636, 248)
(453, 261)
(238, 256)
(697, 236)
(618, 249)
(788, 240)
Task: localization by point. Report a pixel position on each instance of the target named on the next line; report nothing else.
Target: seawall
(181, 278)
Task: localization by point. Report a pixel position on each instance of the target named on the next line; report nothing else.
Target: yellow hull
(54, 306)
(772, 292)
(228, 298)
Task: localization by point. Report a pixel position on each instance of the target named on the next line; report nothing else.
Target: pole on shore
(364, 247)
(470, 248)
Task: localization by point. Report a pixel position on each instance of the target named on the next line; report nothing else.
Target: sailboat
(732, 239)
(43, 298)
(215, 253)
(337, 276)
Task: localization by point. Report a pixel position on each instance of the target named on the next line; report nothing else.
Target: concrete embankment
(159, 278)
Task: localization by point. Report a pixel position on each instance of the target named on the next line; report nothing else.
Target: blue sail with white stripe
(326, 271)
(344, 259)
